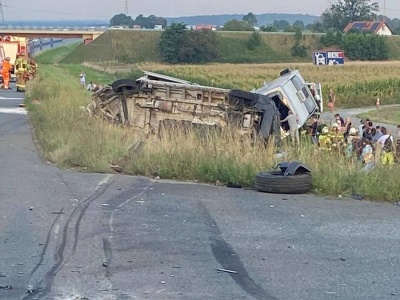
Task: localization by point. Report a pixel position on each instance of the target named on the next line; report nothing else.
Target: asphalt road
(68, 235)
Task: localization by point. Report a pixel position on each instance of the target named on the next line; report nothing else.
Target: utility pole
(384, 11)
(1, 12)
(126, 8)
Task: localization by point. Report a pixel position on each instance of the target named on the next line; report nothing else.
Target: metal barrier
(34, 45)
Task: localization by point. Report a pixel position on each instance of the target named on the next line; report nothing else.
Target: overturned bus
(154, 101)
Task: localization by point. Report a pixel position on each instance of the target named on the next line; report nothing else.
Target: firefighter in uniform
(21, 70)
(32, 68)
(324, 140)
(5, 72)
(337, 138)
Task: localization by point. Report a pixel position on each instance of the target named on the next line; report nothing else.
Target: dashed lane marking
(17, 111)
(11, 98)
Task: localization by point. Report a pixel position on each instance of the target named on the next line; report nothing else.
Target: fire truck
(12, 46)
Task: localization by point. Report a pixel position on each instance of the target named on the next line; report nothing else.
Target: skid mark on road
(222, 252)
(45, 284)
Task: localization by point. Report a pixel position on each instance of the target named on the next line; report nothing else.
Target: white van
(291, 92)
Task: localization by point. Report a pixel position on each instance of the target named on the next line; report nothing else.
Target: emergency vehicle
(11, 46)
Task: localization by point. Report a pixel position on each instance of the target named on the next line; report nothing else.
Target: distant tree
(150, 21)
(317, 26)
(281, 24)
(171, 41)
(236, 25)
(121, 20)
(394, 24)
(338, 15)
(199, 46)
(298, 24)
(268, 28)
(397, 31)
(250, 19)
(329, 39)
(179, 45)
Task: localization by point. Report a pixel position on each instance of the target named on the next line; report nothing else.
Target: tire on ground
(276, 182)
(128, 84)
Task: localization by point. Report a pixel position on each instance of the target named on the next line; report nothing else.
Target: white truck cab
(291, 92)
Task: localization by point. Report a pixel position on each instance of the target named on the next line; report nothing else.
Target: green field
(385, 115)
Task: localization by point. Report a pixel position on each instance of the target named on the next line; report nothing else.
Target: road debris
(357, 197)
(227, 271)
(6, 287)
(57, 212)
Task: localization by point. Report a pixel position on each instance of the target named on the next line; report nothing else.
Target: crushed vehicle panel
(153, 100)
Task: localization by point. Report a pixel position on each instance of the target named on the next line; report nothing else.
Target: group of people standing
(371, 145)
(91, 87)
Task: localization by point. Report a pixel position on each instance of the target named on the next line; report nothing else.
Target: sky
(106, 9)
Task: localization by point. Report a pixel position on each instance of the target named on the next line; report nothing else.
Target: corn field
(355, 84)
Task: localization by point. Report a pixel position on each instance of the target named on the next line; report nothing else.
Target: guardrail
(40, 44)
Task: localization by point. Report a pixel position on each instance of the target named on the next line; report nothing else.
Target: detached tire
(128, 84)
(277, 183)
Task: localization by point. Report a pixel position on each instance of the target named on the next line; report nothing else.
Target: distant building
(379, 28)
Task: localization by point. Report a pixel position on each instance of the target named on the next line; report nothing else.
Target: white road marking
(11, 98)
(104, 181)
(57, 229)
(18, 111)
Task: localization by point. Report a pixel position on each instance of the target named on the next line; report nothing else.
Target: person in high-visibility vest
(21, 70)
(5, 72)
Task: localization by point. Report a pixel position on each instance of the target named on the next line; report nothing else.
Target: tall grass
(71, 138)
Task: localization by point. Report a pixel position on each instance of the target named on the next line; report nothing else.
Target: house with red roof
(379, 28)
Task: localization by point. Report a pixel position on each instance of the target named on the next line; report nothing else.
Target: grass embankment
(385, 115)
(132, 46)
(69, 137)
(54, 55)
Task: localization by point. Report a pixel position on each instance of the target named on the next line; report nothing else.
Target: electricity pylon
(126, 7)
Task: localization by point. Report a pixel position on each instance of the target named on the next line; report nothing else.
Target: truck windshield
(303, 93)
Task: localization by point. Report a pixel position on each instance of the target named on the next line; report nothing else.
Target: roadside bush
(331, 39)
(254, 41)
(359, 46)
(299, 51)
